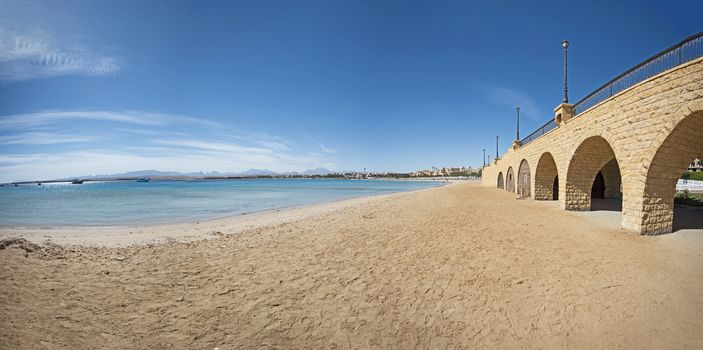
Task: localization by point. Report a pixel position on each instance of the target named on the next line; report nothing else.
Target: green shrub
(693, 175)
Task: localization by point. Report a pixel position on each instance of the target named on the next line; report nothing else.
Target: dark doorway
(598, 189)
(555, 188)
(523, 177)
(510, 184)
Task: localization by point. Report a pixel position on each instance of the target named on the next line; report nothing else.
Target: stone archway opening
(510, 180)
(501, 182)
(688, 198)
(546, 178)
(598, 188)
(593, 171)
(666, 208)
(606, 190)
(523, 180)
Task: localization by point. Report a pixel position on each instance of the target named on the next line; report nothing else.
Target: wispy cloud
(261, 139)
(323, 147)
(34, 54)
(327, 149)
(9, 159)
(99, 161)
(50, 117)
(43, 138)
(103, 142)
(159, 133)
(214, 146)
(513, 98)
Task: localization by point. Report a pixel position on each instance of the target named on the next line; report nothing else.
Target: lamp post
(496, 147)
(518, 123)
(565, 45)
(484, 157)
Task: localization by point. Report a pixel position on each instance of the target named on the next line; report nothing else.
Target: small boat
(77, 181)
(143, 179)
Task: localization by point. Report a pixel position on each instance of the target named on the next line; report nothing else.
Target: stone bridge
(633, 144)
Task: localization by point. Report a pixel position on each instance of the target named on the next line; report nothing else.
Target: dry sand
(460, 266)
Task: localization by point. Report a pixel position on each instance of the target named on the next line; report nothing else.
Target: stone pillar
(632, 202)
(563, 113)
(648, 211)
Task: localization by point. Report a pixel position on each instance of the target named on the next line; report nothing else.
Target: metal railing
(687, 50)
(539, 132)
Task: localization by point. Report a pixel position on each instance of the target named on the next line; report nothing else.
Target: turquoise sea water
(130, 202)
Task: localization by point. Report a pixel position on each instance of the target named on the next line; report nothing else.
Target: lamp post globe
(565, 44)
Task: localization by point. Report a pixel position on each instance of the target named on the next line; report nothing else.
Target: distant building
(697, 165)
(445, 171)
(423, 173)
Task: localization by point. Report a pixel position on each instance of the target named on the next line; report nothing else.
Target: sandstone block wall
(650, 129)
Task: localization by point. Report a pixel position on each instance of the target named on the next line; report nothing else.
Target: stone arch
(501, 182)
(546, 175)
(671, 158)
(510, 180)
(588, 160)
(523, 179)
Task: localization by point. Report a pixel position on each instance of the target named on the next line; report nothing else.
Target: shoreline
(458, 266)
(192, 229)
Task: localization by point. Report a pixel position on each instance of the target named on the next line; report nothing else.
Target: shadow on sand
(610, 204)
(686, 217)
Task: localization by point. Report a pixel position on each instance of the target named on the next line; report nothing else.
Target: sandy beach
(459, 266)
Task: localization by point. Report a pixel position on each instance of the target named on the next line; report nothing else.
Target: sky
(102, 87)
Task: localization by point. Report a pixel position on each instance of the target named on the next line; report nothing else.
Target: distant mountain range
(249, 172)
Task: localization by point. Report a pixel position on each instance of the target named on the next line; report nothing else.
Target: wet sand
(460, 266)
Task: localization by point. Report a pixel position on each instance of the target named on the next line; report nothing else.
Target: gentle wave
(119, 203)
